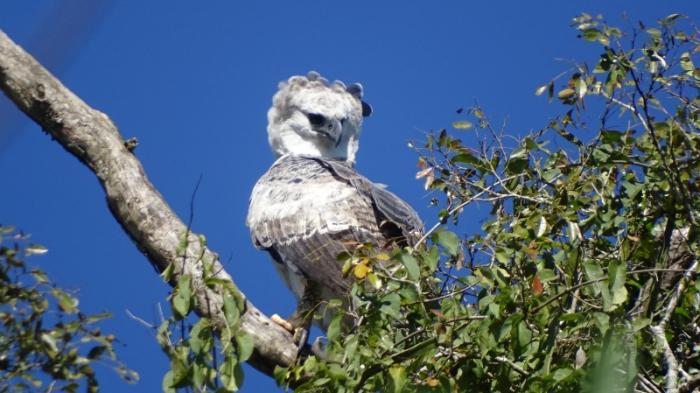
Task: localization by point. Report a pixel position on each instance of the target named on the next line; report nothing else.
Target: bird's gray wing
(304, 216)
(305, 211)
(397, 218)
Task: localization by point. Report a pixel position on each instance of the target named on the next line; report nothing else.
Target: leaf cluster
(583, 276)
(46, 343)
(205, 355)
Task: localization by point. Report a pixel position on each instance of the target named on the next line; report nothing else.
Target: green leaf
(561, 374)
(565, 94)
(321, 381)
(374, 280)
(168, 383)
(50, 342)
(654, 33)
(333, 331)
(593, 270)
(612, 136)
(411, 265)
(640, 323)
(602, 320)
(182, 298)
(523, 336)
(462, 125)
(167, 274)
(504, 255)
(40, 276)
(686, 63)
(391, 305)
(617, 278)
(200, 337)
(520, 152)
(449, 241)
(245, 345)
(231, 311)
(671, 18)
(432, 258)
(506, 327)
(96, 352)
(228, 374)
(397, 374)
(66, 302)
(35, 249)
(591, 34)
(465, 158)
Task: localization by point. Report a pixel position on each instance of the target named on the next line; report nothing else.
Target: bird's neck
(293, 144)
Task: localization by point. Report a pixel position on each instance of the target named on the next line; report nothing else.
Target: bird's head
(310, 116)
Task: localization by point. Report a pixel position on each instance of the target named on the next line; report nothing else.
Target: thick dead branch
(140, 209)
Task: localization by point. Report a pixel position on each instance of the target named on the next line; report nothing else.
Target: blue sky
(193, 84)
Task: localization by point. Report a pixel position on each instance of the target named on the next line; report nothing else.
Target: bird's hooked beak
(329, 128)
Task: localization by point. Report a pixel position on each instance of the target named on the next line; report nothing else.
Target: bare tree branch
(135, 203)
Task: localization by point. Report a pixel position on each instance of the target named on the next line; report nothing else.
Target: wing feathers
(306, 211)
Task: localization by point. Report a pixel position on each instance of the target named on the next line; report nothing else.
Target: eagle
(311, 205)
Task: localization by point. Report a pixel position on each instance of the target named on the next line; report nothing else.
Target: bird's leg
(299, 322)
(303, 315)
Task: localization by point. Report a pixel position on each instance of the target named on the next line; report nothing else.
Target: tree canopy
(582, 278)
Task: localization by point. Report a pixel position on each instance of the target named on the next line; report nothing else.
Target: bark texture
(93, 138)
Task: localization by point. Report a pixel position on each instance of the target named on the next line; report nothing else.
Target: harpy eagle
(311, 204)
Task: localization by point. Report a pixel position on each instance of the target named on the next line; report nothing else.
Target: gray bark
(140, 209)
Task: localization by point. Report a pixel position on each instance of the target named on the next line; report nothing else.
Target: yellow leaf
(361, 269)
(382, 256)
(462, 125)
(566, 93)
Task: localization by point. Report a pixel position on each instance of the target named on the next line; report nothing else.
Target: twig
(512, 364)
(659, 330)
(575, 287)
(140, 320)
(690, 385)
(458, 207)
(671, 362)
(648, 385)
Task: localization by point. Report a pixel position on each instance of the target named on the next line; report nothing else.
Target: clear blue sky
(193, 84)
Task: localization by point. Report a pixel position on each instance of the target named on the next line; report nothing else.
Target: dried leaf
(423, 173)
(537, 286)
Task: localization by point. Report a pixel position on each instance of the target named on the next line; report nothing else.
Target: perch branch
(140, 209)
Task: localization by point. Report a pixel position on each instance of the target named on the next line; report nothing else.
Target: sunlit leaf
(411, 265)
(245, 345)
(542, 227)
(462, 125)
(448, 240)
(35, 249)
(398, 378)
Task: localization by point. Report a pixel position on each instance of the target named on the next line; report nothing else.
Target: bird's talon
(283, 322)
(300, 336)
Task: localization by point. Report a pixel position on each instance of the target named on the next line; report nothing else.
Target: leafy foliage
(583, 277)
(46, 343)
(204, 356)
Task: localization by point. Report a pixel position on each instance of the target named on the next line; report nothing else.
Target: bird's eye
(316, 119)
(343, 120)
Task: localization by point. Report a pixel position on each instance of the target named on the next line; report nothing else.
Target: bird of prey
(311, 204)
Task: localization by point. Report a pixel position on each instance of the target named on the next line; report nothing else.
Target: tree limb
(139, 208)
